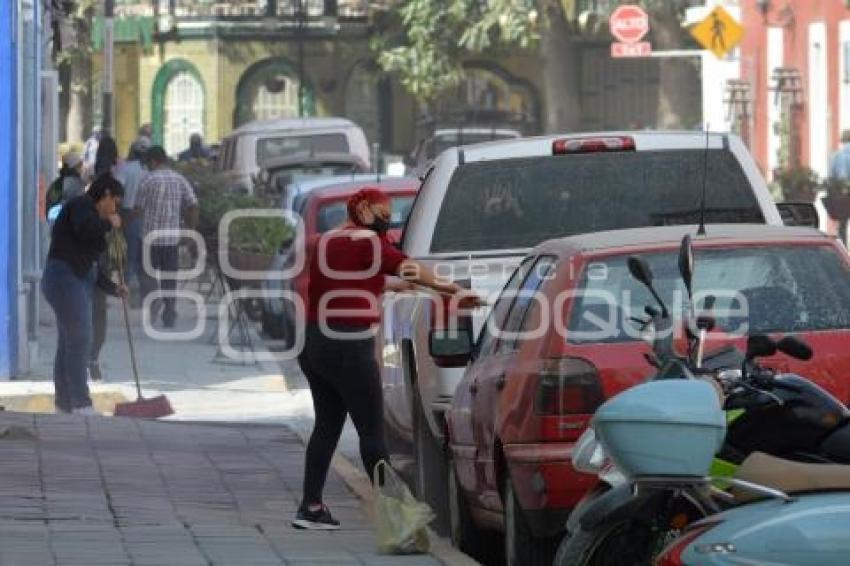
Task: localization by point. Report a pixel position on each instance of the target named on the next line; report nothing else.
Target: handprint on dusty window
(500, 199)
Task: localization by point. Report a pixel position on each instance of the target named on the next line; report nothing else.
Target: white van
(245, 150)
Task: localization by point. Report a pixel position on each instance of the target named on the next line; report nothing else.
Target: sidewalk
(104, 491)
(115, 491)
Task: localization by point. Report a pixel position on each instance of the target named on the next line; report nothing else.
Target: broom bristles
(153, 408)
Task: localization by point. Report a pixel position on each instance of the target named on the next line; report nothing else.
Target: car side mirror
(450, 347)
(799, 214)
(640, 270)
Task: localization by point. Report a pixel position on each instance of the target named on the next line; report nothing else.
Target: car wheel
(522, 548)
(430, 468)
(464, 534)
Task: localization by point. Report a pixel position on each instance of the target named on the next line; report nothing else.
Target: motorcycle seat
(789, 476)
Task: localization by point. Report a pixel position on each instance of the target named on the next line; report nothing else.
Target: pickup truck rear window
(756, 289)
(518, 203)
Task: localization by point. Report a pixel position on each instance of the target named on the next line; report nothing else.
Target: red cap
(372, 195)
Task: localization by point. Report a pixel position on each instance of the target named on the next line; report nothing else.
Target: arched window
(269, 89)
(276, 98)
(183, 112)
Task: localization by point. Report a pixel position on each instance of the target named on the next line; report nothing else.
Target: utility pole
(108, 63)
(301, 16)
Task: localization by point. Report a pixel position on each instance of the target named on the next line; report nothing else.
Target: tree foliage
(437, 34)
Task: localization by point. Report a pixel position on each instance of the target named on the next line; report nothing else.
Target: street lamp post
(108, 64)
(301, 17)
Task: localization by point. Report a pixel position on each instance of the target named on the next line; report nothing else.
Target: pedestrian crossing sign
(719, 32)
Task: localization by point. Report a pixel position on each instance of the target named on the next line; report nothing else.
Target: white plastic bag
(400, 520)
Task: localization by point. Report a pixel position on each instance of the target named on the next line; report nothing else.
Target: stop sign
(629, 23)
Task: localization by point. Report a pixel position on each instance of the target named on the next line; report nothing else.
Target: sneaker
(94, 372)
(85, 411)
(320, 520)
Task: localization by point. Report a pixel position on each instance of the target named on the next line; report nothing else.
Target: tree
(674, 105)
(72, 52)
(439, 34)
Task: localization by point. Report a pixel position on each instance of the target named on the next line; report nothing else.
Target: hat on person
(372, 195)
(71, 160)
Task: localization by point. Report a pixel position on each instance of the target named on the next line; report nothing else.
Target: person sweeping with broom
(70, 278)
(347, 277)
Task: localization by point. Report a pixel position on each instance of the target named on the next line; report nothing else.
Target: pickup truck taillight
(568, 393)
(567, 146)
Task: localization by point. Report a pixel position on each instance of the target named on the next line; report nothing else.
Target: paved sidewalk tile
(101, 492)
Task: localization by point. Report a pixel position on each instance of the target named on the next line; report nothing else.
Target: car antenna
(701, 229)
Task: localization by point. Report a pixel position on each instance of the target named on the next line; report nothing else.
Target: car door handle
(473, 387)
(500, 382)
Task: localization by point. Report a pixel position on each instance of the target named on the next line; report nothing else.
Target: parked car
(482, 208)
(446, 138)
(561, 339)
(284, 176)
(323, 209)
(245, 150)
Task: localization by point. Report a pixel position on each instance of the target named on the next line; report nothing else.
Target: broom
(141, 408)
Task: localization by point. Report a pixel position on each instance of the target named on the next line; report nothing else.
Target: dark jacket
(79, 238)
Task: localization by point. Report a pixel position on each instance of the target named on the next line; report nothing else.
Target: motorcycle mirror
(760, 346)
(640, 270)
(686, 263)
(795, 348)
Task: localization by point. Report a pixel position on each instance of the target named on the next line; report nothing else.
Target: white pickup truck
(482, 207)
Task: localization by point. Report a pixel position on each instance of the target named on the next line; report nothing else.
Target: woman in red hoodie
(348, 274)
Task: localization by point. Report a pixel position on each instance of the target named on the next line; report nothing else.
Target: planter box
(838, 207)
(249, 261)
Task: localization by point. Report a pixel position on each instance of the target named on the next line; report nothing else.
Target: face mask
(380, 225)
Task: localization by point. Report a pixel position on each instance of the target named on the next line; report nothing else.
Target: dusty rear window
(518, 203)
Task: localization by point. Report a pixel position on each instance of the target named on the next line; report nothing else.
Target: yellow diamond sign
(719, 32)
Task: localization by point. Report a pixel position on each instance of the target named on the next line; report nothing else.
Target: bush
(799, 184)
(255, 235)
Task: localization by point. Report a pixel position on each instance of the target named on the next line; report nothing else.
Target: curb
(103, 401)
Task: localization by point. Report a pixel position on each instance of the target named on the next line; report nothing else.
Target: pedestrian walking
(106, 164)
(70, 278)
(130, 174)
(839, 167)
(164, 201)
(338, 358)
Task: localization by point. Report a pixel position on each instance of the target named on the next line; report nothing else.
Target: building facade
(20, 183)
(795, 59)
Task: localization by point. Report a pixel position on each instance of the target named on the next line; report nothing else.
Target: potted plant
(837, 200)
(252, 241)
(798, 184)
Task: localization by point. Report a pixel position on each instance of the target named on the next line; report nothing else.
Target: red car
(323, 209)
(560, 340)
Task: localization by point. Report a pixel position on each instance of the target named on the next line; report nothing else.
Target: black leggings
(344, 380)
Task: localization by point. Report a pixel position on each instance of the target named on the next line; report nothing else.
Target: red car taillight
(568, 393)
(672, 555)
(569, 146)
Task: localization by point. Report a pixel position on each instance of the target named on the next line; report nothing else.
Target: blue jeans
(70, 297)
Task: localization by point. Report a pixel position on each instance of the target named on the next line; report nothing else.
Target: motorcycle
(782, 415)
